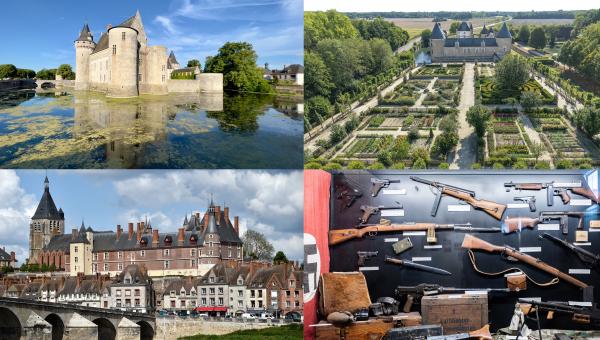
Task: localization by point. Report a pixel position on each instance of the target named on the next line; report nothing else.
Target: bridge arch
(106, 330)
(146, 330)
(10, 326)
(58, 326)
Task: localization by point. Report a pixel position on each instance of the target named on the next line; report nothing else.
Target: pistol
(365, 255)
(377, 184)
(369, 210)
(529, 200)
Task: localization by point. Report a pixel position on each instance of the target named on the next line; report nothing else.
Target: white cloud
(167, 23)
(16, 209)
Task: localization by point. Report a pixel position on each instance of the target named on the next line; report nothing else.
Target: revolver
(377, 184)
(365, 255)
(529, 200)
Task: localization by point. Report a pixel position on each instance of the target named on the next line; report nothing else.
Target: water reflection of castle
(129, 126)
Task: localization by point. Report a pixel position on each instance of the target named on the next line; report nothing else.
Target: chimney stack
(218, 215)
(130, 231)
(119, 231)
(139, 234)
(198, 215)
(73, 234)
(206, 219)
(226, 214)
(142, 227)
(155, 237)
(180, 236)
(236, 225)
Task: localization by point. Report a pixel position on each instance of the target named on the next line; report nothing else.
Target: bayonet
(410, 264)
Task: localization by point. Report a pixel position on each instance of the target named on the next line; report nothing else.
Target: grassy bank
(284, 332)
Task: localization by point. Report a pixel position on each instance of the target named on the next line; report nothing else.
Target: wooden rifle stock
(529, 186)
(472, 242)
(512, 224)
(481, 334)
(491, 208)
(585, 192)
(342, 235)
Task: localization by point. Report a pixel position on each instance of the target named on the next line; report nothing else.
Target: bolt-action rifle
(590, 259)
(338, 236)
(491, 208)
(512, 224)
(377, 184)
(552, 190)
(579, 314)
(369, 210)
(473, 243)
(413, 294)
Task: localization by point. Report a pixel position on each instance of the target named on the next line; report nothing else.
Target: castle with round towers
(488, 47)
(123, 65)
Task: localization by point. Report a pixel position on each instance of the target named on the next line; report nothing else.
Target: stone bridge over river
(36, 320)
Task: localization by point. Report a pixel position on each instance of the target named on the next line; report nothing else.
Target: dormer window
(168, 240)
(193, 239)
(143, 242)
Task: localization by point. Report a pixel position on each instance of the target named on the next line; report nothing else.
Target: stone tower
(212, 243)
(437, 41)
(45, 223)
(84, 45)
(504, 40)
(124, 51)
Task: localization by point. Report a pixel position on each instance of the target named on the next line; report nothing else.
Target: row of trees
(583, 53)
(539, 37)
(347, 60)
(560, 14)
(11, 71)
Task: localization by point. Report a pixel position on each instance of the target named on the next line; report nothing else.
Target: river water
(89, 130)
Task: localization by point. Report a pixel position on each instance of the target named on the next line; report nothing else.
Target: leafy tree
(530, 100)
(380, 28)
(317, 80)
(498, 166)
(475, 166)
(319, 26)
(385, 158)
(520, 164)
(454, 26)
(332, 166)
(425, 37)
(524, 34)
(25, 73)
(46, 74)
(66, 72)
(419, 164)
(193, 63)
(257, 246)
(398, 166)
(445, 142)
(537, 39)
(312, 165)
(478, 117)
(382, 55)
(356, 165)
(552, 41)
(318, 109)
(588, 120)
(376, 166)
(337, 134)
(400, 150)
(542, 165)
(444, 166)
(564, 164)
(280, 258)
(8, 71)
(536, 150)
(237, 62)
(351, 123)
(421, 153)
(583, 53)
(512, 72)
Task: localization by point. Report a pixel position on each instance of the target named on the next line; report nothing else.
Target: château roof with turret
(85, 34)
(172, 61)
(504, 32)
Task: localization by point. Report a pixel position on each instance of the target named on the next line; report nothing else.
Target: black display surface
(488, 185)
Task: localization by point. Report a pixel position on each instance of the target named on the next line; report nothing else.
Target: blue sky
(267, 201)
(44, 31)
(445, 5)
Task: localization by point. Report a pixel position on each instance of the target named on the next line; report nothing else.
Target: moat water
(89, 130)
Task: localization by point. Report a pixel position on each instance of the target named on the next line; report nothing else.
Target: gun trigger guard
(372, 233)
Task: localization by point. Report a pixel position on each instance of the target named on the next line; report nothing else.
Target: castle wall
(210, 82)
(183, 85)
(100, 68)
(439, 53)
(155, 71)
(83, 49)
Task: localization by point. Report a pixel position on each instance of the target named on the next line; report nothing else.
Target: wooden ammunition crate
(373, 329)
(457, 313)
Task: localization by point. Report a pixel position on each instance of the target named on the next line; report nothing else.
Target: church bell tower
(45, 223)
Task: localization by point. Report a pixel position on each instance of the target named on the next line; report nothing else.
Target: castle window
(193, 263)
(120, 254)
(120, 266)
(114, 49)
(167, 264)
(163, 78)
(76, 260)
(76, 250)
(106, 267)
(142, 253)
(166, 252)
(123, 36)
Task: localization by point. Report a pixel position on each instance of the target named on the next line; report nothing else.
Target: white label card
(580, 303)
(391, 239)
(414, 233)
(459, 207)
(517, 205)
(435, 246)
(594, 230)
(582, 243)
(421, 259)
(579, 271)
(393, 192)
(392, 212)
(364, 269)
(585, 202)
(530, 249)
(548, 227)
(476, 292)
(567, 184)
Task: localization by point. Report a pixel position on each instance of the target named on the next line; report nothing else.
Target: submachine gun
(491, 208)
(552, 189)
(590, 259)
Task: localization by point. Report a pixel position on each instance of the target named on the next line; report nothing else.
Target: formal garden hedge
(445, 92)
(405, 94)
(430, 71)
(489, 93)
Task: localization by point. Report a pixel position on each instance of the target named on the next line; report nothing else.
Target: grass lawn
(283, 332)
(414, 32)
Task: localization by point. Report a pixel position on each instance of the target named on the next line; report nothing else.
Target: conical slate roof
(504, 32)
(172, 60)
(463, 27)
(85, 34)
(81, 236)
(46, 208)
(484, 30)
(437, 32)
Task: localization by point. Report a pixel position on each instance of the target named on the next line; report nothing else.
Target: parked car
(266, 316)
(163, 312)
(183, 313)
(294, 316)
(248, 316)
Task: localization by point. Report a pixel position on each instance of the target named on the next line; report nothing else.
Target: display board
(417, 200)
